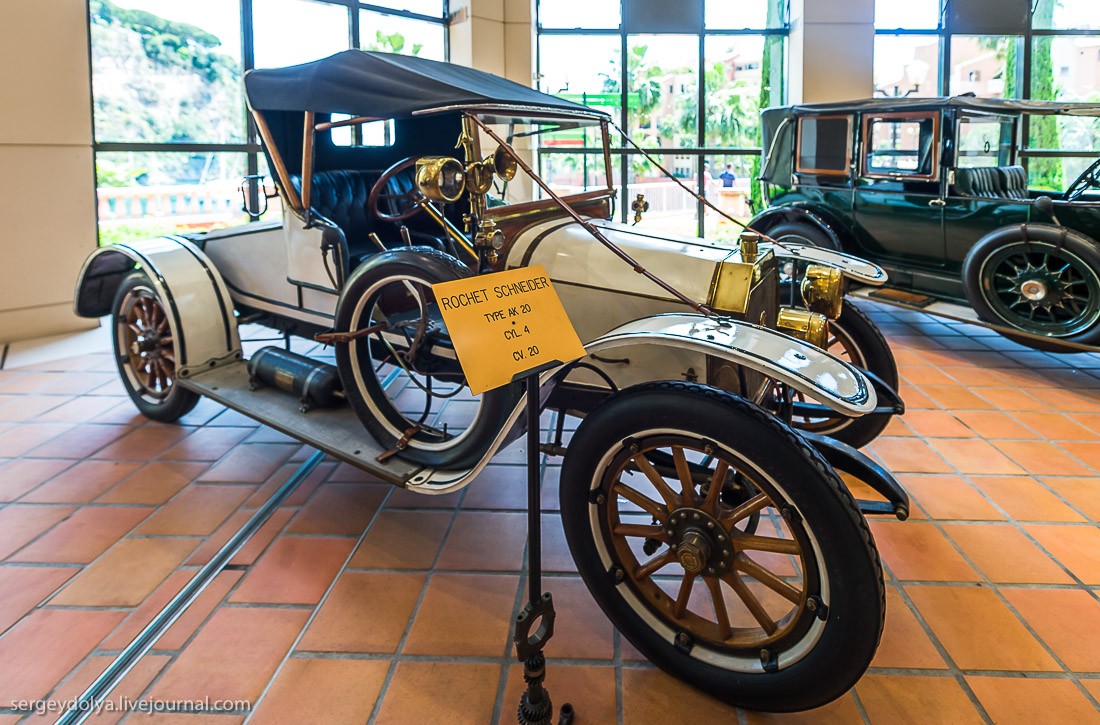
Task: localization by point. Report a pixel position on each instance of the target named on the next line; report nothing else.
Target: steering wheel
(402, 206)
(1089, 179)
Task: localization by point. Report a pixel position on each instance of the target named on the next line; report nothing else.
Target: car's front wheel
(722, 546)
(146, 352)
(1042, 280)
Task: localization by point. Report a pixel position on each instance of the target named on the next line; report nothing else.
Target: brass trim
(730, 287)
(823, 290)
(280, 166)
(811, 327)
(450, 228)
(847, 147)
(307, 159)
(429, 172)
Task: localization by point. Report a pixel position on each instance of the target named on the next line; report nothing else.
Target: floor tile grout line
(321, 602)
(224, 601)
(992, 586)
(118, 669)
(397, 651)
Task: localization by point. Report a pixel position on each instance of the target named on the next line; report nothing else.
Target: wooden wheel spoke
(658, 482)
(783, 588)
(654, 564)
(754, 505)
(717, 481)
(684, 595)
(683, 471)
(765, 543)
(645, 531)
(721, 616)
(639, 499)
(133, 326)
(750, 601)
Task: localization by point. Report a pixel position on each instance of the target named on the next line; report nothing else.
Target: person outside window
(728, 176)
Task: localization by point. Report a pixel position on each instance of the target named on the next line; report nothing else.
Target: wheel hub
(699, 542)
(1033, 290)
(1039, 287)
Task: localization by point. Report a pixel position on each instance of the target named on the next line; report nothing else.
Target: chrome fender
(200, 311)
(810, 370)
(852, 267)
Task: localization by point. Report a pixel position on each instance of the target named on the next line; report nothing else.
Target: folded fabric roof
(385, 85)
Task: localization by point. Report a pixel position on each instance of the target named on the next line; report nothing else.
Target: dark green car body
(915, 185)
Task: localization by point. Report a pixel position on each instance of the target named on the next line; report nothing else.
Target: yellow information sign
(506, 324)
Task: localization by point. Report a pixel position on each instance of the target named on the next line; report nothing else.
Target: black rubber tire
(841, 648)
(178, 401)
(802, 233)
(364, 392)
(876, 356)
(1039, 237)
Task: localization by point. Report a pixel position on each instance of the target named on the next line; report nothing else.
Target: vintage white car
(718, 538)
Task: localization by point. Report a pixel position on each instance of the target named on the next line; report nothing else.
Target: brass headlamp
(440, 178)
(811, 327)
(823, 290)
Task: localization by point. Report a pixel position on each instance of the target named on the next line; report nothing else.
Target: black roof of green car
(972, 103)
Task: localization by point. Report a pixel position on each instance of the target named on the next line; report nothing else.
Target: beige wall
(831, 47)
(47, 186)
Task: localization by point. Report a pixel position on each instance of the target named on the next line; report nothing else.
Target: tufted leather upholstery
(341, 197)
(992, 182)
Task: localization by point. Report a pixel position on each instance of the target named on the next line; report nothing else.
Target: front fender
(810, 370)
(200, 311)
(852, 267)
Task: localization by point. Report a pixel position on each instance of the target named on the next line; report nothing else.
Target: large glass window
(278, 28)
(986, 66)
(694, 98)
(172, 136)
(167, 72)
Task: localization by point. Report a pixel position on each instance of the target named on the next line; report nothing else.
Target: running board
(336, 431)
(962, 313)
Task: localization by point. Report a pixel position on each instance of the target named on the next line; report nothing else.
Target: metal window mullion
(700, 133)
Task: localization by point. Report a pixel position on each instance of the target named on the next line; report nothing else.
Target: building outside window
(173, 140)
(1029, 49)
(690, 89)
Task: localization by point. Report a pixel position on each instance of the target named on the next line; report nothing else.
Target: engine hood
(572, 256)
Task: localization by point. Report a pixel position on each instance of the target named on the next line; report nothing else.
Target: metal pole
(534, 499)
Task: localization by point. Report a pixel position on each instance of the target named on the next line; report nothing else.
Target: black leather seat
(341, 197)
(992, 182)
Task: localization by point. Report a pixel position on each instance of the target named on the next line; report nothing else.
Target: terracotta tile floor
(361, 603)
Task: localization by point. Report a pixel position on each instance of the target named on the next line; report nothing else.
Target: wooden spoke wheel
(146, 351)
(722, 546)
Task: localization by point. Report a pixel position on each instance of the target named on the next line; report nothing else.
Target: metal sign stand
(535, 624)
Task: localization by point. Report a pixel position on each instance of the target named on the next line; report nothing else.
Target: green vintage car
(933, 190)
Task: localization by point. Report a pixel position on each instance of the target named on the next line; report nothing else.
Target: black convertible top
(385, 85)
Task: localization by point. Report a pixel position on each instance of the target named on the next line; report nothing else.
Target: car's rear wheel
(770, 599)
(146, 352)
(1042, 281)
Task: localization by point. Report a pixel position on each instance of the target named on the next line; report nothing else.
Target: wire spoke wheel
(403, 378)
(691, 555)
(428, 394)
(1042, 289)
(145, 351)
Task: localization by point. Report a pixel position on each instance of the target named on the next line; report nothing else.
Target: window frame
(972, 117)
(848, 148)
(865, 169)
